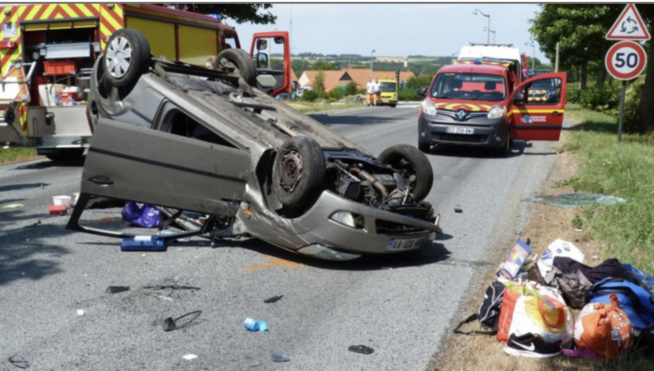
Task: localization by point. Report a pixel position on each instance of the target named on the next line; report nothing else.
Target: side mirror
(262, 44)
(422, 92)
(279, 40)
(519, 97)
(262, 60)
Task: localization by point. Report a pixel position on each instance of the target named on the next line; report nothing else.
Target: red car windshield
(469, 86)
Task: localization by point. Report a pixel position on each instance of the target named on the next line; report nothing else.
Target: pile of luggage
(531, 306)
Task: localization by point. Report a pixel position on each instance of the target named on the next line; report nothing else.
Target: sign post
(626, 60)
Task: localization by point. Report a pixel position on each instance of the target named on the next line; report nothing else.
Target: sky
(396, 30)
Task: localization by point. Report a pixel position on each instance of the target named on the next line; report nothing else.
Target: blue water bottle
(254, 325)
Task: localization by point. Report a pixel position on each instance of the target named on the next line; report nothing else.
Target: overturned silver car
(213, 142)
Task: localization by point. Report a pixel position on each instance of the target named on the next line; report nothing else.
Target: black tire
(505, 150)
(66, 155)
(298, 174)
(424, 146)
(241, 61)
(393, 105)
(410, 160)
(126, 57)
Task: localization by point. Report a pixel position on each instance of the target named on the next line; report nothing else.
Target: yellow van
(389, 92)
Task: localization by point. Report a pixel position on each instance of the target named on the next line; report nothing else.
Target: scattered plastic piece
(12, 206)
(143, 243)
(172, 287)
(517, 257)
(57, 210)
(33, 224)
(189, 357)
(274, 299)
(254, 325)
(19, 362)
(458, 210)
(279, 357)
(81, 312)
(117, 289)
(61, 200)
(577, 199)
(171, 324)
(362, 349)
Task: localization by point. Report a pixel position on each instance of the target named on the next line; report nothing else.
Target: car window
(178, 123)
(544, 91)
(388, 86)
(470, 86)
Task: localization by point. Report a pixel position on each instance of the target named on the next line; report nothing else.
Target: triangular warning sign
(629, 26)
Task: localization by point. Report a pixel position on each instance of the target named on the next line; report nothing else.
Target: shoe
(528, 345)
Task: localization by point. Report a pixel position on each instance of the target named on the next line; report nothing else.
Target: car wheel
(240, 61)
(410, 161)
(424, 146)
(393, 105)
(66, 155)
(126, 57)
(505, 149)
(298, 174)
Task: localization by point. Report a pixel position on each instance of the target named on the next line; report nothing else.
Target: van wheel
(240, 61)
(299, 174)
(505, 150)
(126, 57)
(409, 161)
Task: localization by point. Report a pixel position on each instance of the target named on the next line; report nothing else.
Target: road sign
(625, 60)
(629, 26)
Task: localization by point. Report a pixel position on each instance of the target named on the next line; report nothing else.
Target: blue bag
(142, 215)
(645, 279)
(635, 300)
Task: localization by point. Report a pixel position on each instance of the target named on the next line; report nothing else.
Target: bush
(408, 94)
(310, 95)
(632, 122)
(421, 81)
(602, 98)
(572, 94)
(336, 94)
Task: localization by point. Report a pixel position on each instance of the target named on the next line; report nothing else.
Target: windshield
(388, 86)
(470, 86)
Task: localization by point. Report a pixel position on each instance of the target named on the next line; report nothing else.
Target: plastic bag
(142, 215)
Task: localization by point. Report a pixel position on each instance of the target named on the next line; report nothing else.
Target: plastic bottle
(254, 325)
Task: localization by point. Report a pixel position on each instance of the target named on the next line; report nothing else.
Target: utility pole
(371, 62)
(477, 12)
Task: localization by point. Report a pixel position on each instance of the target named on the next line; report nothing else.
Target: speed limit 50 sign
(625, 60)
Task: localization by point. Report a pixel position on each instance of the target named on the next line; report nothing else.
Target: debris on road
(458, 210)
(57, 210)
(171, 287)
(143, 243)
(117, 289)
(189, 357)
(362, 349)
(37, 223)
(170, 324)
(273, 299)
(81, 312)
(19, 362)
(279, 357)
(254, 325)
(12, 206)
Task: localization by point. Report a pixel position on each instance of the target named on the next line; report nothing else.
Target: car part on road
(362, 349)
(19, 362)
(273, 299)
(116, 289)
(279, 357)
(170, 324)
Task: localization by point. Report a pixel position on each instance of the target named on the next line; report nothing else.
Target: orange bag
(605, 329)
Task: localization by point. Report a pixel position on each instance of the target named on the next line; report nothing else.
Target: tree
(646, 107)
(299, 66)
(323, 66)
(240, 13)
(319, 83)
(579, 30)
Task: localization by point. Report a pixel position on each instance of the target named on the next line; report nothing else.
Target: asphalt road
(400, 306)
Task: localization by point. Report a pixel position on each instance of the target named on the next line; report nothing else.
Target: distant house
(334, 79)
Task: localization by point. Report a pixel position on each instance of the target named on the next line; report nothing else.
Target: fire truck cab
(484, 101)
(47, 52)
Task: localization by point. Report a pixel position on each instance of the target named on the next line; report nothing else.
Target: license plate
(457, 130)
(405, 244)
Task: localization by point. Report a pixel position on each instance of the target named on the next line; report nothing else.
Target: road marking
(276, 262)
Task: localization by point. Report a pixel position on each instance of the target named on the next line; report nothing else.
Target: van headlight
(496, 112)
(428, 108)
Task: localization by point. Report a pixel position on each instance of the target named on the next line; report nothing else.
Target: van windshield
(469, 86)
(388, 86)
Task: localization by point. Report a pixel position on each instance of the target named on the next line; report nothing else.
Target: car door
(537, 107)
(272, 56)
(131, 162)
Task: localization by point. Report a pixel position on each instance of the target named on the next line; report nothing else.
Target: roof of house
(358, 75)
(331, 78)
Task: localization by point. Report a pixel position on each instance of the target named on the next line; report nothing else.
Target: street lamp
(477, 12)
(371, 62)
(494, 34)
(533, 54)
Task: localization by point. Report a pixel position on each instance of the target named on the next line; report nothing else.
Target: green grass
(306, 107)
(622, 169)
(8, 155)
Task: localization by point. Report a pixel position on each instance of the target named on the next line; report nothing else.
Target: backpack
(605, 329)
(488, 311)
(634, 300)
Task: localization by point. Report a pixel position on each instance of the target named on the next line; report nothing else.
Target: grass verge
(10, 155)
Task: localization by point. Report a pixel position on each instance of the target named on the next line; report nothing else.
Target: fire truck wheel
(240, 61)
(299, 172)
(126, 57)
(409, 161)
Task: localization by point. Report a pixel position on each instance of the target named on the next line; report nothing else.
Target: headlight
(496, 112)
(428, 108)
(394, 96)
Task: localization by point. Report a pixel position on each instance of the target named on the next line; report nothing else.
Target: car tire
(66, 155)
(241, 61)
(505, 150)
(299, 173)
(126, 57)
(412, 161)
(393, 105)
